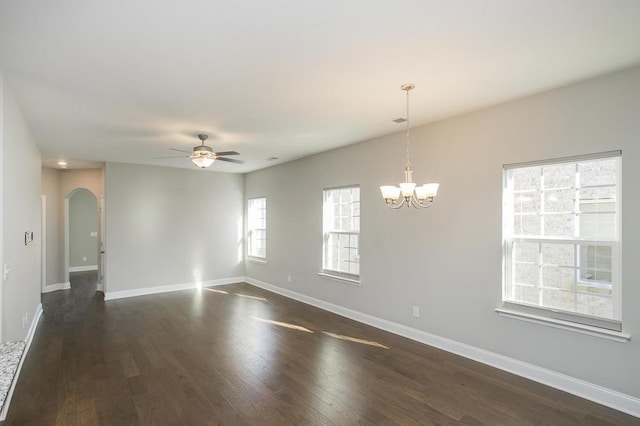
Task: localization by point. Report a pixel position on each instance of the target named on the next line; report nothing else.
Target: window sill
(565, 325)
(262, 261)
(335, 277)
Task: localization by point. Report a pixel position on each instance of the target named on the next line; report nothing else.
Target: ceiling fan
(203, 156)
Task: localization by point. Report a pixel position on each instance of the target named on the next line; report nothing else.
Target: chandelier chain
(408, 140)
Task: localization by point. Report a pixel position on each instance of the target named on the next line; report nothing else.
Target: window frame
(250, 231)
(326, 271)
(508, 241)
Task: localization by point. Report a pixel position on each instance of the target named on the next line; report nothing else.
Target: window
(341, 230)
(561, 222)
(257, 228)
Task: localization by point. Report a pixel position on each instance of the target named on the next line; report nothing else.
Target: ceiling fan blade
(230, 160)
(180, 150)
(227, 153)
(171, 156)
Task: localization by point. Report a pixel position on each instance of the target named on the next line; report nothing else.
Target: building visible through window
(257, 227)
(561, 239)
(341, 230)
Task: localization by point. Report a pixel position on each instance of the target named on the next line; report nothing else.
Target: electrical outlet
(416, 311)
(289, 278)
(84, 258)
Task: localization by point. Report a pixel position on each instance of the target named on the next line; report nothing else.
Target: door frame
(101, 248)
(67, 226)
(43, 242)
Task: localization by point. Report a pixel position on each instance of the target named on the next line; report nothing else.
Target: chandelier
(419, 197)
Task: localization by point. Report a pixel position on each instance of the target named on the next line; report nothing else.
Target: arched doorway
(82, 226)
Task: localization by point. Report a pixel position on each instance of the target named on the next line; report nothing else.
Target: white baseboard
(112, 295)
(611, 398)
(27, 345)
(83, 268)
(54, 287)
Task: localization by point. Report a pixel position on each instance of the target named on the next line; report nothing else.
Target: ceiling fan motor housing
(202, 150)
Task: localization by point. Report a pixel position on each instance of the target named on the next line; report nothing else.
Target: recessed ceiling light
(400, 120)
(62, 164)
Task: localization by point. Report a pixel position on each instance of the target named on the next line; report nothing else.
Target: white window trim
(543, 315)
(603, 333)
(255, 259)
(339, 276)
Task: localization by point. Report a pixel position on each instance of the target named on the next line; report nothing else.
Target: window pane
(526, 178)
(559, 175)
(558, 254)
(526, 224)
(599, 172)
(595, 263)
(598, 215)
(559, 225)
(525, 294)
(527, 274)
(558, 299)
(602, 193)
(559, 200)
(526, 252)
(560, 278)
(526, 202)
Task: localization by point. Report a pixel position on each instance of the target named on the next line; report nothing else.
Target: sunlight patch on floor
(283, 324)
(213, 290)
(356, 340)
(251, 297)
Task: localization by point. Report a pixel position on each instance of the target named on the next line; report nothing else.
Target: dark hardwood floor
(239, 355)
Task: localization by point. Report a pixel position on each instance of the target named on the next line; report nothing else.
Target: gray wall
(21, 212)
(83, 221)
(447, 259)
(169, 226)
(51, 189)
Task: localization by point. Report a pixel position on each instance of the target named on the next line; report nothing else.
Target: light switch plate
(28, 237)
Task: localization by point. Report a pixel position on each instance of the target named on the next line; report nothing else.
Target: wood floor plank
(239, 355)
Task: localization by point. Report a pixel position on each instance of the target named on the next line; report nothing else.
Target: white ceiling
(127, 80)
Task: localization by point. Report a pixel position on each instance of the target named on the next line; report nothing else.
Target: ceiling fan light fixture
(203, 156)
(203, 161)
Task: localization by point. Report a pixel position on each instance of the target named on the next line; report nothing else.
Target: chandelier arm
(394, 206)
(428, 202)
